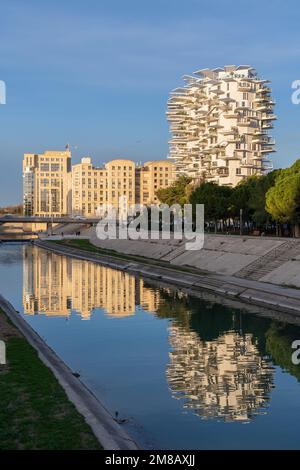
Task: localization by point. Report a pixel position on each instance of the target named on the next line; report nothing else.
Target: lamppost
(241, 221)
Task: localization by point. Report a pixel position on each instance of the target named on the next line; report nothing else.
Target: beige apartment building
(151, 177)
(93, 188)
(219, 123)
(52, 187)
(89, 187)
(47, 183)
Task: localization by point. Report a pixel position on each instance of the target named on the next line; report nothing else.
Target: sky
(97, 73)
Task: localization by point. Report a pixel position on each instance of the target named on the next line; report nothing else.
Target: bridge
(48, 220)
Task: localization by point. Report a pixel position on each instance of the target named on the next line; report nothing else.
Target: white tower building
(220, 122)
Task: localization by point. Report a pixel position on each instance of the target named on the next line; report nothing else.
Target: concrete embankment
(153, 261)
(273, 260)
(109, 433)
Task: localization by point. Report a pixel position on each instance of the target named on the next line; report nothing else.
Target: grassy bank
(35, 412)
(88, 246)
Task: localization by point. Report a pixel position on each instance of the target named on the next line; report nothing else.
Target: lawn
(35, 412)
(85, 244)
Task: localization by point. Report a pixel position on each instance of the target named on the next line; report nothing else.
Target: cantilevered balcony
(267, 150)
(269, 117)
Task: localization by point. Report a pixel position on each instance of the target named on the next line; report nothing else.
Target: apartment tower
(47, 183)
(118, 181)
(219, 123)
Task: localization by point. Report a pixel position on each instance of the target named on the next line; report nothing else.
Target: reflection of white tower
(224, 378)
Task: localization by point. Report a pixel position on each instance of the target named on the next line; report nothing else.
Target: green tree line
(268, 203)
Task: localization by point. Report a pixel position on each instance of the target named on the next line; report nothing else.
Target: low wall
(223, 254)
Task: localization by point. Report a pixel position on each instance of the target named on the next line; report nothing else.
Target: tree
(283, 199)
(18, 209)
(240, 197)
(177, 193)
(216, 200)
(257, 199)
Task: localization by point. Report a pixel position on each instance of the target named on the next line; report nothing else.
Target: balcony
(268, 150)
(267, 125)
(246, 86)
(264, 90)
(244, 122)
(269, 117)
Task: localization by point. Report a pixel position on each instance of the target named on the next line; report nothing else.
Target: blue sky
(97, 73)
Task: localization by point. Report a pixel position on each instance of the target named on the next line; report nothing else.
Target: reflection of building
(94, 285)
(149, 299)
(224, 378)
(47, 183)
(54, 285)
(219, 123)
(46, 283)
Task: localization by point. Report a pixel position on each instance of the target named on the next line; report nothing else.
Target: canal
(182, 372)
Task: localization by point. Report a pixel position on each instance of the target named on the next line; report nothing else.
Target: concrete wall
(221, 254)
(288, 274)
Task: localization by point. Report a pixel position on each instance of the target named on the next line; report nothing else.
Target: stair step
(270, 261)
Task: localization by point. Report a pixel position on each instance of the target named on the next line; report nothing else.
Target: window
(55, 200)
(55, 166)
(45, 200)
(238, 171)
(44, 167)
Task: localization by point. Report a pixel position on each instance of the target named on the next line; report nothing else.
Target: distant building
(47, 183)
(52, 187)
(89, 187)
(220, 122)
(94, 187)
(120, 182)
(151, 177)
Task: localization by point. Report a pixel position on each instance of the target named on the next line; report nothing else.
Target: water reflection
(225, 378)
(220, 361)
(56, 285)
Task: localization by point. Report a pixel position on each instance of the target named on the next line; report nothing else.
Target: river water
(184, 373)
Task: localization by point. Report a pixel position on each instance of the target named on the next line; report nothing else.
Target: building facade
(219, 123)
(53, 188)
(47, 183)
(152, 176)
(89, 187)
(95, 188)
